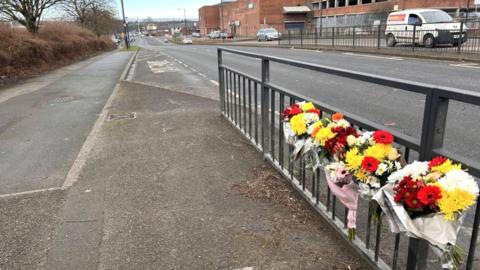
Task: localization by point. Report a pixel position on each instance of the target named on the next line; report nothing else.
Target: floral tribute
(428, 200)
(297, 119)
(371, 159)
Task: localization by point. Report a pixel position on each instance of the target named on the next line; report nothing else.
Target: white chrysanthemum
(382, 168)
(351, 140)
(459, 179)
(342, 123)
(413, 170)
(310, 118)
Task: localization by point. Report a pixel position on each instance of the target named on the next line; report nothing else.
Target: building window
(341, 3)
(366, 1)
(352, 2)
(315, 5)
(381, 1)
(324, 4)
(331, 3)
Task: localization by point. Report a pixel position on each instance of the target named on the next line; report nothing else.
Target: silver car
(268, 34)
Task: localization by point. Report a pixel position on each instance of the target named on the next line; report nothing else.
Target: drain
(125, 116)
(62, 99)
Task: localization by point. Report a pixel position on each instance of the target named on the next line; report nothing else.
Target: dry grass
(267, 185)
(23, 54)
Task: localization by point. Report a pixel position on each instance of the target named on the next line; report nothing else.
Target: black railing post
(301, 37)
(378, 36)
(316, 37)
(221, 87)
(413, 37)
(264, 104)
(354, 37)
(333, 36)
(289, 41)
(460, 38)
(433, 130)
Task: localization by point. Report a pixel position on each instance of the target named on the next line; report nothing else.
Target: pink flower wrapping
(348, 196)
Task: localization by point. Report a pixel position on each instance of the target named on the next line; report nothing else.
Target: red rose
(436, 161)
(429, 195)
(383, 137)
(370, 164)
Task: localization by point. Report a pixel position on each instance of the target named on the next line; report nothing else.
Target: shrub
(23, 54)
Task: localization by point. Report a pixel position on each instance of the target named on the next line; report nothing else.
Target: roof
(296, 9)
(415, 10)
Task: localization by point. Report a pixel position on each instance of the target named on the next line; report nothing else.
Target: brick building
(245, 17)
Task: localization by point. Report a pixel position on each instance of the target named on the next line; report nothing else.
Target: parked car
(196, 34)
(165, 40)
(432, 27)
(214, 34)
(229, 35)
(268, 34)
(187, 41)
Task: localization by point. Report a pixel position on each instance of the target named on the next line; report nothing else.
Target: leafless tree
(26, 12)
(97, 15)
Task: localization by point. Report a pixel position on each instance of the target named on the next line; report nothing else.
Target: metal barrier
(254, 105)
(406, 37)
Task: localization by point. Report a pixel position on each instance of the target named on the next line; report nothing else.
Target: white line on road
(375, 56)
(214, 82)
(28, 192)
(466, 65)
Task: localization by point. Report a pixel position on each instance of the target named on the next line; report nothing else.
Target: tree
(26, 12)
(96, 15)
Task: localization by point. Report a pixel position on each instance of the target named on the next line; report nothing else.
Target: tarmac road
(393, 107)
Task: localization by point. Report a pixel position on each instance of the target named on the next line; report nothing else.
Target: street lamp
(184, 19)
(125, 26)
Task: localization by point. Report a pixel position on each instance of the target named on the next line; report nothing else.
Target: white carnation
(413, 170)
(382, 168)
(459, 179)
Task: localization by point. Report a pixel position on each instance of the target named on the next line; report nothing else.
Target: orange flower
(337, 116)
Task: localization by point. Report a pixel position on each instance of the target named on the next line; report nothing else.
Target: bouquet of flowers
(428, 200)
(297, 119)
(330, 136)
(371, 159)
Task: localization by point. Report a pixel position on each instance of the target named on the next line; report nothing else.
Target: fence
(253, 105)
(441, 38)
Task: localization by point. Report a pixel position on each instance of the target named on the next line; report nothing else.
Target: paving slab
(164, 187)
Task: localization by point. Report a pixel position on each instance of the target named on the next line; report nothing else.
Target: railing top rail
(462, 95)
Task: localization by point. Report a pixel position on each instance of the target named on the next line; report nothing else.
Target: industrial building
(245, 17)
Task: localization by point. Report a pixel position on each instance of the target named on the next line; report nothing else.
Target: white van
(433, 27)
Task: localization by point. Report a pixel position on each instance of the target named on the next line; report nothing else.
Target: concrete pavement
(44, 125)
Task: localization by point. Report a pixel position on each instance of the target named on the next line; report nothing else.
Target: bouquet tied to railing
(428, 200)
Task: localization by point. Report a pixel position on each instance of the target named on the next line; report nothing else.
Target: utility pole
(125, 26)
(138, 25)
(221, 20)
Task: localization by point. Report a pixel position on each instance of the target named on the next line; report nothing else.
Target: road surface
(393, 107)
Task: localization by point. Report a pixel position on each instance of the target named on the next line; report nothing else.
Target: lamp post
(125, 26)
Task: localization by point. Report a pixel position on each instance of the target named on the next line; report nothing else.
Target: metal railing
(254, 105)
(406, 37)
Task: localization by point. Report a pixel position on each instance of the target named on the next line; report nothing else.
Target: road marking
(466, 65)
(202, 75)
(161, 66)
(28, 192)
(214, 82)
(374, 56)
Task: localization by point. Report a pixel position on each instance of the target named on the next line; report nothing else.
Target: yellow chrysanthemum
(353, 159)
(446, 166)
(323, 135)
(455, 201)
(297, 124)
(307, 106)
(361, 176)
(378, 151)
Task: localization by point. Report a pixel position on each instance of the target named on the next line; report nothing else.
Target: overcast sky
(162, 8)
